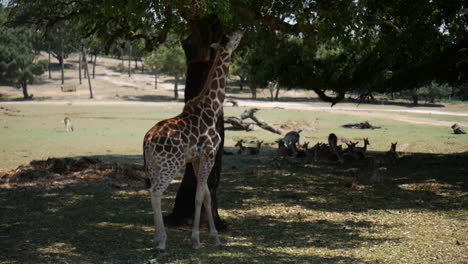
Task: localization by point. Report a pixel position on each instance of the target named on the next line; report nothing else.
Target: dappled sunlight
(58, 248)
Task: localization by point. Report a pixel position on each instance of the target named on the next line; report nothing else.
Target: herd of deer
(289, 146)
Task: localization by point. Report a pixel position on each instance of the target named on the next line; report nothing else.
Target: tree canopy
(382, 45)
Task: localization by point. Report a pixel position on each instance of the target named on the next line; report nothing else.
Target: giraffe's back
(186, 137)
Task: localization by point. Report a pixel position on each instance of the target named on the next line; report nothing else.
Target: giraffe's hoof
(196, 245)
(160, 254)
(218, 244)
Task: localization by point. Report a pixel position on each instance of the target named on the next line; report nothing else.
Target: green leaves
(17, 64)
(168, 58)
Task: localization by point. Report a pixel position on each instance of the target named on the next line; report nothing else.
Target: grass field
(279, 210)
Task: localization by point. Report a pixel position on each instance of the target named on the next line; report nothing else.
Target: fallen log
(250, 113)
(233, 102)
(238, 124)
(363, 125)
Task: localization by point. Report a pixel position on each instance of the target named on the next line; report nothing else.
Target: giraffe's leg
(196, 220)
(160, 232)
(207, 204)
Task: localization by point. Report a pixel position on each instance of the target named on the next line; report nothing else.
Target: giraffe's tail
(145, 168)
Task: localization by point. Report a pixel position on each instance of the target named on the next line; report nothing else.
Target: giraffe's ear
(214, 45)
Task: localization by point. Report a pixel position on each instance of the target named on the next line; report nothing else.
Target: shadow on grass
(96, 221)
(321, 186)
(22, 99)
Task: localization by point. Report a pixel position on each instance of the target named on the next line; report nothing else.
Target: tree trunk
(136, 63)
(273, 87)
(277, 92)
(48, 66)
(80, 58)
(155, 80)
(94, 66)
(129, 59)
(24, 85)
(204, 31)
(253, 90)
(91, 96)
(62, 55)
(122, 57)
(241, 82)
(142, 67)
(415, 98)
(176, 87)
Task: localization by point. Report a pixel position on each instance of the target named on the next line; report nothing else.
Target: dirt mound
(53, 173)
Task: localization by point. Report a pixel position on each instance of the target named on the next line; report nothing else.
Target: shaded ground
(279, 210)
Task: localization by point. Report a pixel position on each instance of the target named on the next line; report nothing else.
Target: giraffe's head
(230, 41)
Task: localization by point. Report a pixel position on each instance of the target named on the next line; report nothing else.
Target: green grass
(448, 118)
(36, 131)
(279, 210)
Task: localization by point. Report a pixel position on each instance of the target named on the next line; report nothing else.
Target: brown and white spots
(190, 137)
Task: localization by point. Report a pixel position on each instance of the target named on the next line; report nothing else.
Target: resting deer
(333, 144)
(351, 153)
(366, 143)
(255, 150)
(319, 150)
(392, 155)
(241, 146)
(361, 151)
(302, 151)
(282, 149)
(291, 139)
(68, 124)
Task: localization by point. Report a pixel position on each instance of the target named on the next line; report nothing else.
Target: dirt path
(392, 113)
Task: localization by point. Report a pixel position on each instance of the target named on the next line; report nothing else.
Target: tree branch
(326, 98)
(386, 23)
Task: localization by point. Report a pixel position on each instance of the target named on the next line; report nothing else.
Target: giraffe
(190, 137)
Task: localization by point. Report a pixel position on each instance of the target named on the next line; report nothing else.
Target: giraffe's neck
(213, 92)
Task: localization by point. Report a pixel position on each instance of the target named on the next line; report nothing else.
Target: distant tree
(169, 59)
(238, 68)
(434, 91)
(96, 47)
(153, 65)
(17, 58)
(62, 40)
(138, 52)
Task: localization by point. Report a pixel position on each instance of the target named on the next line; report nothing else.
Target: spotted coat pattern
(190, 137)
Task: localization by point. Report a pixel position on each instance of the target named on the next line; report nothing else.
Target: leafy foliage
(382, 46)
(168, 59)
(17, 66)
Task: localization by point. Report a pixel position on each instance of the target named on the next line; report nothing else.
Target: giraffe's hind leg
(202, 197)
(207, 204)
(160, 177)
(160, 232)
